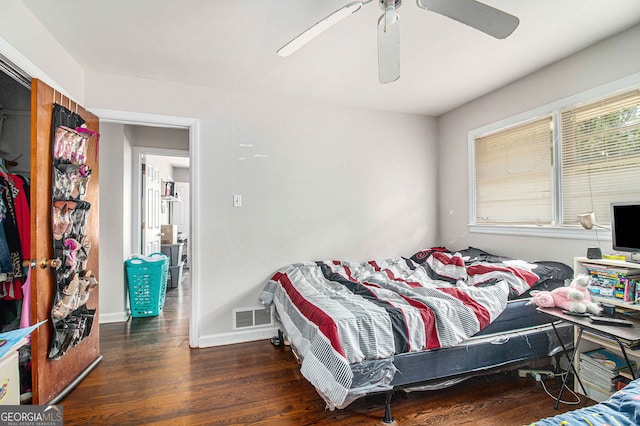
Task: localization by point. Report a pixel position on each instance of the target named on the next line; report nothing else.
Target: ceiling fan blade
(388, 50)
(319, 27)
(487, 19)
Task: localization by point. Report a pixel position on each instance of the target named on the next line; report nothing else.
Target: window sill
(542, 232)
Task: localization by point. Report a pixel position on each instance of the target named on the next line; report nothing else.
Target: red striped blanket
(340, 313)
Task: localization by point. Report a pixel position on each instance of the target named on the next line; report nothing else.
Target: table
(621, 335)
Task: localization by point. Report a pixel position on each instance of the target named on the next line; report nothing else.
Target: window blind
(600, 156)
(514, 175)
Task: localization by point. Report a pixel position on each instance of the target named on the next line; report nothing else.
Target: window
(514, 174)
(546, 171)
(600, 156)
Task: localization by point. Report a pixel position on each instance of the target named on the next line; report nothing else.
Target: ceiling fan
(480, 16)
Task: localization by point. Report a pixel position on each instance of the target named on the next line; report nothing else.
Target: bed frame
(499, 347)
(519, 337)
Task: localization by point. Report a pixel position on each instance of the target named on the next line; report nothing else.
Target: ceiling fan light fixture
(390, 16)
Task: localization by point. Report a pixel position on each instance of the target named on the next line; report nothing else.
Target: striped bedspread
(337, 314)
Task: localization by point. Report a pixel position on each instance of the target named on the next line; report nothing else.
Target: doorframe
(193, 125)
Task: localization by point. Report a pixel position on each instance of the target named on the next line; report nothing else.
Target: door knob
(52, 263)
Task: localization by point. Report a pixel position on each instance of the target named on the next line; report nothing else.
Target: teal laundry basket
(147, 280)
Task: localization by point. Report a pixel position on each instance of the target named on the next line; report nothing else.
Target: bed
(622, 409)
(422, 322)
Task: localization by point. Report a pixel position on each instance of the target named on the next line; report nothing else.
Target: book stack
(600, 371)
(616, 282)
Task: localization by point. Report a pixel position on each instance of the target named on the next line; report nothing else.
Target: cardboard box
(169, 234)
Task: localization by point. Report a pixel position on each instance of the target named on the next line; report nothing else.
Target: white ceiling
(231, 44)
(179, 162)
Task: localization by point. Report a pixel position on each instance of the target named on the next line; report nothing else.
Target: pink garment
(25, 317)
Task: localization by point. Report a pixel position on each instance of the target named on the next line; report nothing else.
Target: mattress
(519, 314)
(519, 336)
(493, 348)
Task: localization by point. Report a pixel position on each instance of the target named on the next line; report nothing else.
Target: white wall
(608, 61)
(115, 221)
(181, 174)
(317, 181)
(23, 36)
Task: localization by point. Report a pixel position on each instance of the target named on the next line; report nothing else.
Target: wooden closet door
(52, 379)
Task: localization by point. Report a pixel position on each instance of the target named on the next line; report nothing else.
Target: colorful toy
(574, 298)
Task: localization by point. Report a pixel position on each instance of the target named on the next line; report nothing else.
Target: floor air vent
(251, 317)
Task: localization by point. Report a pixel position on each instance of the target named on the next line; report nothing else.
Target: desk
(621, 335)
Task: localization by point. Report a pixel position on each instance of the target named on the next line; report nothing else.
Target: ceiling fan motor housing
(383, 3)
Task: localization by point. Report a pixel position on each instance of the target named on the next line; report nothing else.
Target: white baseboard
(114, 317)
(237, 337)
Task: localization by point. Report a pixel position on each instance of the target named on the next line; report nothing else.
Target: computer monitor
(625, 226)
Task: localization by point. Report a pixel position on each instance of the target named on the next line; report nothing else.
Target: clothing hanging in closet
(15, 237)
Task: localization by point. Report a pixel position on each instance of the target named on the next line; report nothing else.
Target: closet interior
(15, 147)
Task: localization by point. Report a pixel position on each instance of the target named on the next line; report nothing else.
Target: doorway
(170, 169)
(136, 156)
(164, 213)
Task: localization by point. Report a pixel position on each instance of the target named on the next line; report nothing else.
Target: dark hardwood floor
(150, 376)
